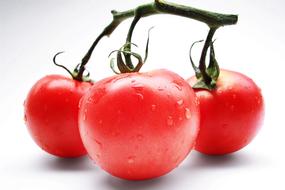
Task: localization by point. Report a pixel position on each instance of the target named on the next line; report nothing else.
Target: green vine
(212, 19)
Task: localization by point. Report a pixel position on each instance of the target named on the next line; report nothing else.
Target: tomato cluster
(138, 125)
(142, 125)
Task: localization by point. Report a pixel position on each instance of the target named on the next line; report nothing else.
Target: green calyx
(125, 65)
(207, 76)
(79, 73)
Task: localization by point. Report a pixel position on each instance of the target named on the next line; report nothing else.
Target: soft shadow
(187, 174)
(201, 161)
(67, 164)
(113, 183)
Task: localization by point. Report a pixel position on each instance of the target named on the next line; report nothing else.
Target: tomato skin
(139, 125)
(51, 115)
(231, 115)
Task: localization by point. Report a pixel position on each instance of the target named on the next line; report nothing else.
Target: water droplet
(116, 79)
(160, 88)
(180, 118)
(153, 107)
(197, 102)
(90, 100)
(80, 103)
(219, 91)
(140, 96)
(168, 94)
(230, 88)
(177, 86)
(258, 100)
(169, 121)
(234, 96)
(138, 86)
(187, 113)
(99, 144)
(180, 103)
(140, 137)
(131, 159)
(232, 107)
(100, 122)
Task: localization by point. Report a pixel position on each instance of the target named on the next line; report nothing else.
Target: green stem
(202, 64)
(129, 41)
(212, 19)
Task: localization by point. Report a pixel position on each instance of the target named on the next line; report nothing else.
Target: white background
(32, 31)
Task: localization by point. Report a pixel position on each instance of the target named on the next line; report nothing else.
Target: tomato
(231, 114)
(51, 114)
(139, 125)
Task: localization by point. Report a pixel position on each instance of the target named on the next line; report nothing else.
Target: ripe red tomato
(231, 115)
(51, 114)
(139, 125)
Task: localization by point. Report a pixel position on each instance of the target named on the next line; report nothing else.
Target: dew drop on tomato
(177, 86)
(138, 87)
(197, 103)
(169, 121)
(153, 107)
(98, 143)
(187, 113)
(131, 159)
(140, 137)
(179, 103)
(140, 96)
(258, 99)
(219, 91)
(160, 89)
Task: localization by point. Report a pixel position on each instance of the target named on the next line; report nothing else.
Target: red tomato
(231, 115)
(139, 125)
(51, 114)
